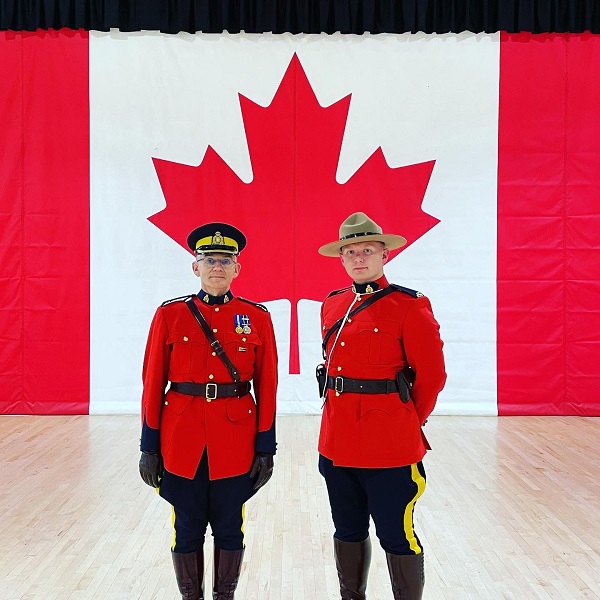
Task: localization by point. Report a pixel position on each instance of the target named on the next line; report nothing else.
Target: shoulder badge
(413, 293)
(262, 306)
(178, 299)
(338, 291)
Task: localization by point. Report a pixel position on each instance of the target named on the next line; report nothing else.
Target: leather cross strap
(362, 386)
(373, 298)
(211, 390)
(214, 342)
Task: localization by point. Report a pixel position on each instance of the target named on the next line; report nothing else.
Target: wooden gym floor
(511, 511)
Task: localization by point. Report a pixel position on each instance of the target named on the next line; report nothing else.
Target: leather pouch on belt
(321, 375)
(403, 386)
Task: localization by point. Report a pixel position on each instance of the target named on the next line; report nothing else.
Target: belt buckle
(209, 395)
(338, 385)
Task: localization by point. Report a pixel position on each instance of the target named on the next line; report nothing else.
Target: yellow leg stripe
(243, 524)
(174, 530)
(410, 507)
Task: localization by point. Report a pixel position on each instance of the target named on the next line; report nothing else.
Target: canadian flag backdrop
(483, 150)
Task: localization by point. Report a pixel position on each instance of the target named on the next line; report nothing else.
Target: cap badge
(217, 239)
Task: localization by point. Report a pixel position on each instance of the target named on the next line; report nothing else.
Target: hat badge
(217, 239)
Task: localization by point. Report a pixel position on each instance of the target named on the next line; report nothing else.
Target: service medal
(242, 323)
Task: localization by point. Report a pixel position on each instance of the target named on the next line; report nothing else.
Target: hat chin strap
(217, 249)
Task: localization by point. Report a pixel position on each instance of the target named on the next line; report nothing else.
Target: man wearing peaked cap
(383, 371)
(208, 441)
(216, 237)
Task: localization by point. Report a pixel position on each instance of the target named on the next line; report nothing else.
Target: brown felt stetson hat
(359, 228)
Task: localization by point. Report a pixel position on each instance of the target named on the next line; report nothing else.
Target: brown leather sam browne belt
(401, 385)
(211, 390)
(362, 386)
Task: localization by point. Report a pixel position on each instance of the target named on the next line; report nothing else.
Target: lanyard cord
(328, 361)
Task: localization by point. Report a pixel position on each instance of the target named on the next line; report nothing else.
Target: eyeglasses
(209, 261)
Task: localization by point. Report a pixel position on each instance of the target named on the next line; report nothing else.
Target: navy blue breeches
(388, 495)
(199, 502)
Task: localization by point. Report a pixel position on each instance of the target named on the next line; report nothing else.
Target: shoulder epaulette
(178, 299)
(338, 291)
(253, 303)
(406, 290)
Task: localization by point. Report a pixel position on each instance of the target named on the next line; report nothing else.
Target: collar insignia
(365, 288)
(210, 299)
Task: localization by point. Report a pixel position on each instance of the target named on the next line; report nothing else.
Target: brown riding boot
(407, 573)
(189, 571)
(227, 567)
(352, 560)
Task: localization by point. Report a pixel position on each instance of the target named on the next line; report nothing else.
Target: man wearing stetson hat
(382, 373)
(207, 442)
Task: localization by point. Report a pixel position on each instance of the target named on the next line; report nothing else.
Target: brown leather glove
(151, 468)
(263, 467)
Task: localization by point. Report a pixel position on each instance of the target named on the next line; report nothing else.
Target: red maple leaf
(293, 204)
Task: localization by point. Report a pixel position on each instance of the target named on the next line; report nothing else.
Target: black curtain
(304, 16)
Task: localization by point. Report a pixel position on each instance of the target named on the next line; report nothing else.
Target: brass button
(324, 328)
(349, 320)
(214, 353)
(185, 339)
(208, 400)
(249, 411)
(243, 339)
(375, 330)
(214, 331)
(216, 309)
(166, 403)
(339, 368)
(342, 343)
(211, 376)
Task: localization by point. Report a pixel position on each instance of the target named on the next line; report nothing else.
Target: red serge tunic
(379, 430)
(231, 429)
